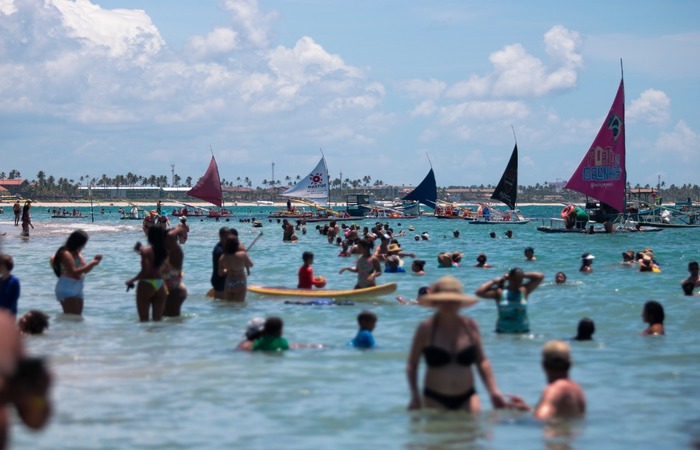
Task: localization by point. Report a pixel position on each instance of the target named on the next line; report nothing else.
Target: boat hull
(497, 222)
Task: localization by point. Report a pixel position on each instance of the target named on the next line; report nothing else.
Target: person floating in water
(366, 320)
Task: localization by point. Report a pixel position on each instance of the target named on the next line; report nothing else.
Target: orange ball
(319, 281)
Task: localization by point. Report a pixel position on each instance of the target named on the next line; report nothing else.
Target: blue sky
(115, 86)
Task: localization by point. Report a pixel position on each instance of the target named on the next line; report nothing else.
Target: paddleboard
(374, 291)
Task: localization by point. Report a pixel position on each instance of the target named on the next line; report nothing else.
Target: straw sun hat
(447, 289)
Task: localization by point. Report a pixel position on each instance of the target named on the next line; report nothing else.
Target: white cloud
(682, 142)
(122, 32)
(7, 7)
(483, 111)
(253, 24)
(430, 89)
(652, 106)
(219, 41)
(426, 108)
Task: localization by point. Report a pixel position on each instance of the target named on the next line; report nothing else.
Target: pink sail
(602, 174)
(208, 188)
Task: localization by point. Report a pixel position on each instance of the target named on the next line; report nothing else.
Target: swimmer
(367, 267)
(367, 321)
(70, 268)
(492, 235)
(693, 279)
(254, 331)
(33, 322)
(271, 339)
(653, 314)
(234, 264)
(529, 254)
(585, 330)
(457, 258)
(586, 263)
(393, 265)
(509, 234)
(560, 278)
(445, 261)
(481, 261)
(562, 397)
(150, 290)
(418, 267)
(407, 301)
(455, 233)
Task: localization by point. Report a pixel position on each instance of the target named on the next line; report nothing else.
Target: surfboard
(374, 291)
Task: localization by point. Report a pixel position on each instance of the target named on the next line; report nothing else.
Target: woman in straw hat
(451, 344)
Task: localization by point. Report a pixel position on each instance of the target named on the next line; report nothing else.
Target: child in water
(367, 320)
(306, 273)
(272, 340)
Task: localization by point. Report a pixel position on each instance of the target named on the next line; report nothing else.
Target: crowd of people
(448, 342)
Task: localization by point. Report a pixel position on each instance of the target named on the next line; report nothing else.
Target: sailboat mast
(624, 127)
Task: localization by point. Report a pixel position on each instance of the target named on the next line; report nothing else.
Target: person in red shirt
(306, 273)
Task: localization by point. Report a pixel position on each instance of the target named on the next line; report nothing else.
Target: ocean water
(179, 384)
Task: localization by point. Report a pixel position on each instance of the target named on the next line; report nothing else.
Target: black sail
(425, 192)
(507, 189)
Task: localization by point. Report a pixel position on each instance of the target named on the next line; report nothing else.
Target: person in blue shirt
(9, 285)
(364, 339)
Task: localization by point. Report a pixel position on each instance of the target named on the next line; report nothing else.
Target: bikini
(67, 286)
(157, 281)
(437, 357)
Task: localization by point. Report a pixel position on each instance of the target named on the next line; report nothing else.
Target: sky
(383, 88)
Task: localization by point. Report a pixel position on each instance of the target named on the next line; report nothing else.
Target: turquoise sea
(180, 384)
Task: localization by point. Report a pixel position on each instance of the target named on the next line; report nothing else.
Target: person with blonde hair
(562, 397)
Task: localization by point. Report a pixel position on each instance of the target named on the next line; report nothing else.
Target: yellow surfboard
(374, 291)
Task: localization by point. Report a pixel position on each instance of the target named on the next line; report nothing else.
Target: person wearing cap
(511, 301)
(253, 331)
(451, 345)
(586, 263)
(562, 397)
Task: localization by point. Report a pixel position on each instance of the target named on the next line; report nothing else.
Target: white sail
(314, 187)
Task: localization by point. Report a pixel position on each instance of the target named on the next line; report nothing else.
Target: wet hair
(558, 273)
(514, 271)
(423, 290)
(585, 330)
(654, 312)
(420, 263)
(366, 243)
(366, 316)
(7, 261)
(156, 238)
(556, 356)
(693, 266)
(306, 256)
(481, 257)
(529, 249)
(273, 326)
(224, 231)
(75, 242)
(492, 234)
(34, 322)
(231, 245)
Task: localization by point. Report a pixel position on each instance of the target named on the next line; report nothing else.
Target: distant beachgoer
(455, 233)
(418, 267)
(26, 218)
(585, 330)
(159, 207)
(17, 209)
(529, 254)
(425, 236)
(456, 258)
(271, 339)
(509, 234)
(149, 221)
(562, 397)
(9, 285)
(628, 258)
(33, 322)
(492, 234)
(646, 264)
(406, 301)
(653, 314)
(481, 261)
(253, 331)
(445, 261)
(392, 264)
(693, 279)
(560, 278)
(173, 274)
(367, 267)
(287, 231)
(511, 301)
(345, 249)
(451, 345)
(218, 282)
(25, 383)
(306, 273)
(586, 263)
(366, 320)
(70, 268)
(151, 290)
(234, 264)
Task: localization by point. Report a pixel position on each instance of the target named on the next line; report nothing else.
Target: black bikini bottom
(449, 401)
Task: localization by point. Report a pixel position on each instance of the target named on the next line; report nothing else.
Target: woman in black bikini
(451, 344)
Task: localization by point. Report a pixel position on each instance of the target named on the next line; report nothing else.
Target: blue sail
(425, 192)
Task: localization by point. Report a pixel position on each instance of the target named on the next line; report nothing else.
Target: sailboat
(507, 192)
(207, 189)
(425, 193)
(601, 175)
(313, 191)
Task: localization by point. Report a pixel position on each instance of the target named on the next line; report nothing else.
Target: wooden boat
(557, 226)
(370, 292)
(601, 174)
(507, 192)
(208, 189)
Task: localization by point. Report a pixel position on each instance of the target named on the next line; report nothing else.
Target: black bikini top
(439, 357)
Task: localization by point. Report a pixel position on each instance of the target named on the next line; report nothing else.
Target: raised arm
(491, 289)
(534, 280)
